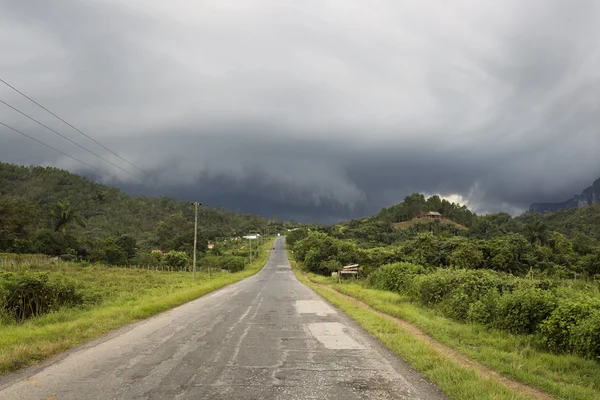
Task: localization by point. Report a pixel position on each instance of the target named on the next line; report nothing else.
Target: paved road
(267, 337)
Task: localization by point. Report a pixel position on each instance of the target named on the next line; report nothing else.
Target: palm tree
(537, 232)
(63, 214)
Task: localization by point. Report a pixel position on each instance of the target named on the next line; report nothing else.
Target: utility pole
(195, 204)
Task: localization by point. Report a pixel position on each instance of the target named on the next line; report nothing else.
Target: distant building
(430, 215)
(433, 215)
(210, 245)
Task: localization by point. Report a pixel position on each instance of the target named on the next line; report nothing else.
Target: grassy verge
(128, 295)
(457, 382)
(563, 376)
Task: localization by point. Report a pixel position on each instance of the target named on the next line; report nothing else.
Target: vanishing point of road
(266, 337)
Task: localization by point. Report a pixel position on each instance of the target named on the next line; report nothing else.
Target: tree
(53, 243)
(537, 232)
(591, 263)
(17, 221)
(128, 244)
(63, 215)
(112, 254)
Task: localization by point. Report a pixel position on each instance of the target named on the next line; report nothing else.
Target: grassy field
(118, 296)
(515, 356)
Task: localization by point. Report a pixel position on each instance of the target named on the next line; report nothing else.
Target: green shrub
(559, 330)
(397, 277)
(229, 263)
(523, 310)
(585, 336)
(233, 263)
(331, 265)
(32, 293)
(68, 257)
(478, 312)
(443, 284)
(455, 290)
(467, 256)
(176, 260)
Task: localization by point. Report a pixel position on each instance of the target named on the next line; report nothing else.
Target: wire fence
(18, 262)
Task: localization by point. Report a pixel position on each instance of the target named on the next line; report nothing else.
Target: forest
(535, 274)
(51, 211)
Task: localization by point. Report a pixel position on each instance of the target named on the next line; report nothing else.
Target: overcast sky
(317, 110)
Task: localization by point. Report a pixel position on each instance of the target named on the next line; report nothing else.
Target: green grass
(457, 382)
(564, 376)
(127, 295)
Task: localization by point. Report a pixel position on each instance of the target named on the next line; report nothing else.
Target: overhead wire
(70, 125)
(57, 150)
(70, 140)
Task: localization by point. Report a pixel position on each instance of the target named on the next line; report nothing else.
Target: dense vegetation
(534, 274)
(416, 203)
(51, 211)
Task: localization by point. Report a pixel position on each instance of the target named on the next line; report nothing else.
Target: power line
(78, 130)
(57, 150)
(70, 140)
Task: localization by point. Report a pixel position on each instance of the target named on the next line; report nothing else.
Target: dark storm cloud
(321, 111)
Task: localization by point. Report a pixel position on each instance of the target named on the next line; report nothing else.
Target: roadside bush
(585, 336)
(443, 284)
(233, 263)
(148, 259)
(33, 293)
(229, 263)
(397, 277)
(176, 260)
(523, 310)
(560, 331)
(483, 311)
(455, 290)
(331, 265)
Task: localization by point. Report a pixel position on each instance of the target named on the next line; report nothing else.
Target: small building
(432, 215)
(211, 245)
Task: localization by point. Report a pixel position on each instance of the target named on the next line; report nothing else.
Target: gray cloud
(323, 110)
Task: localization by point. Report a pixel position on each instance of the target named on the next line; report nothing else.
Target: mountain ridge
(588, 196)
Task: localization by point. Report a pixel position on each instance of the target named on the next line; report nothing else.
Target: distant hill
(414, 221)
(416, 203)
(32, 194)
(570, 221)
(589, 196)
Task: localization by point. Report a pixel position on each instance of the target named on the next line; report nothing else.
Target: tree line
(51, 211)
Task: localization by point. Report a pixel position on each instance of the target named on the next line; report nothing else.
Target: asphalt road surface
(267, 337)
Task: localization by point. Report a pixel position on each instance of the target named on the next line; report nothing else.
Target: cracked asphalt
(267, 337)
